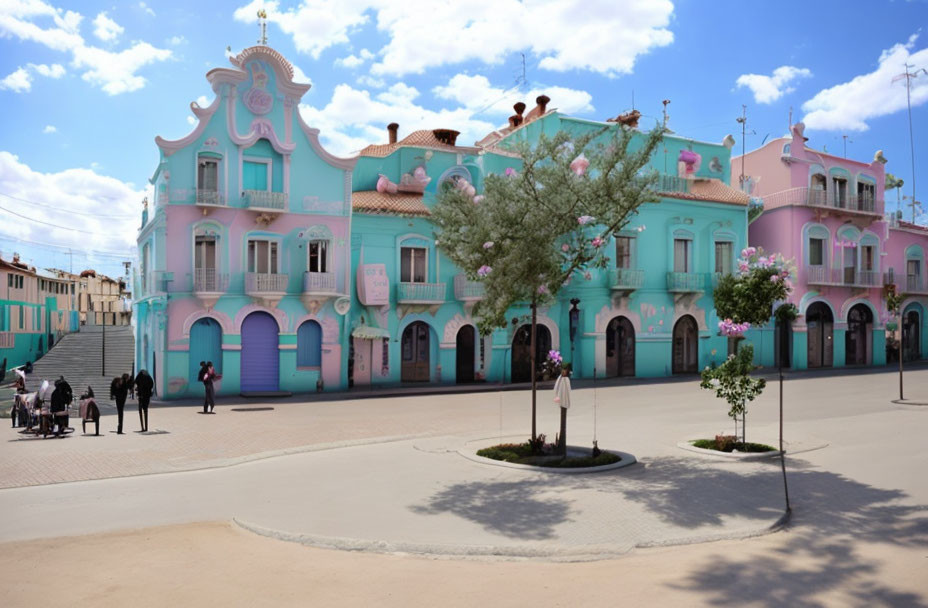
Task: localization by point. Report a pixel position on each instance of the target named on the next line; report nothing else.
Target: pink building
(825, 212)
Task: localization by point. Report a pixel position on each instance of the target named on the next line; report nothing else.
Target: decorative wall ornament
(212, 142)
(257, 99)
(414, 182)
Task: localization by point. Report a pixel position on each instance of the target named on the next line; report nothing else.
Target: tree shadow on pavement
(514, 509)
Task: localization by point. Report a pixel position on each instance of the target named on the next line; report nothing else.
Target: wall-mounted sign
(373, 285)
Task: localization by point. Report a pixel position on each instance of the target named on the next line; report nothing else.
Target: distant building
(37, 308)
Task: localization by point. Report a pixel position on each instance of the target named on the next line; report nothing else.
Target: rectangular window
(850, 264)
(205, 252)
(317, 256)
(816, 252)
(262, 257)
(412, 264)
(840, 190)
(867, 258)
(682, 255)
(208, 174)
(723, 257)
(254, 175)
(623, 251)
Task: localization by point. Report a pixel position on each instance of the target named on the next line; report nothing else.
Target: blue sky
(86, 86)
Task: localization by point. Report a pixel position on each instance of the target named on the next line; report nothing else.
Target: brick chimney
(542, 101)
(446, 136)
(392, 128)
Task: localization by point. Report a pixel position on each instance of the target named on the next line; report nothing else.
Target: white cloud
(299, 75)
(55, 70)
(146, 8)
(591, 35)
(50, 129)
(849, 105)
(352, 119)
(768, 89)
(109, 207)
(202, 101)
(114, 72)
(477, 94)
(191, 120)
(19, 81)
(177, 40)
(353, 61)
(105, 28)
(369, 81)
(314, 26)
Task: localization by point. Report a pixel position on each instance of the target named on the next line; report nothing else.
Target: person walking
(144, 385)
(201, 377)
(208, 379)
(562, 398)
(119, 390)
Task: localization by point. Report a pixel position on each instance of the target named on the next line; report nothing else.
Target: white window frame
(715, 260)
(632, 251)
(272, 243)
(412, 268)
(325, 245)
(688, 249)
(211, 160)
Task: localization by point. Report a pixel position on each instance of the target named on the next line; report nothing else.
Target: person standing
(61, 399)
(144, 386)
(201, 377)
(119, 390)
(208, 378)
(562, 398)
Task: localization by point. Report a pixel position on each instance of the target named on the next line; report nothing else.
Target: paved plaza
(387, 479)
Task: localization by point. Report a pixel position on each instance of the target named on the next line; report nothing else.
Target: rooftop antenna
(845, 144)
(262, 20)
(909, 77)
(743, 120)
(790, 125)
(524, 79)
(633, 99)
(666, 103)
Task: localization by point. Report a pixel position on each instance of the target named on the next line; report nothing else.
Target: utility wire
(84, 252)
(16, 198)
(32, 219)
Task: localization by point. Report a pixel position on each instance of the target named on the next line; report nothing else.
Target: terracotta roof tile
(711, 190)
(420, 139)
(371, 201)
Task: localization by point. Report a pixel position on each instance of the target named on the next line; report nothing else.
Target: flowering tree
(536, 228)
(744, 299)
(732, 382)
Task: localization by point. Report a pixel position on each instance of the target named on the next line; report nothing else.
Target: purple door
(260, 357)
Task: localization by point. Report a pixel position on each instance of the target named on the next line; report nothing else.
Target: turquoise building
(244, 257)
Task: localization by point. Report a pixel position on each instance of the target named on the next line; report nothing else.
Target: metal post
(901, 350)
(103, 349)
(782, 451)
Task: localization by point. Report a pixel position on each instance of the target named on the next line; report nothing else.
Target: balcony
(262, 200)
(210, 198)
(467, 291)
(625, 279)
(914, 284)
(824, 200)
(266, 288)
(420, 293)
(685, 282)
(671, 183)
(207, 280)
(319, 282)
(842, 277)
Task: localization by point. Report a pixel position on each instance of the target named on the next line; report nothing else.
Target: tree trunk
(534, 380)
(562, 444)
(744, 424)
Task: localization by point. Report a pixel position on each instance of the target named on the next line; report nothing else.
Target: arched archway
(857, 346)
(685, 346)
(465, 348)
(260, 353)
(522, 351)
(911, 333)
(205, 345)
(620, 348)
(309, 344)
(820, 332)
(415, 351)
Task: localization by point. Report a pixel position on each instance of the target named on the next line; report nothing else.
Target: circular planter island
(518, 456)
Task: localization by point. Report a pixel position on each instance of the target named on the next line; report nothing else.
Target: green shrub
(726, 443)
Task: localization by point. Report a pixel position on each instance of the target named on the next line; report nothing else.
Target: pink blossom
(484, 270)
(488, 244)
(742, 266)
(597, 242)
(731, 329)
(478, 199)
(542, 289)
(587, 276)
(748, 252)
(774, 278)
(762, 261)
(584, 219)
(510, 172)
(565, 247)
(579, 165)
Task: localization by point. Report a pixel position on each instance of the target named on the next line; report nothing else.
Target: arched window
(309, 345)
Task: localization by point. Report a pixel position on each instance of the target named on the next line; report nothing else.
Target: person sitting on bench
(90, 412)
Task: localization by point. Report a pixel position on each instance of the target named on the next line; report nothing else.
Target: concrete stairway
(78, 357)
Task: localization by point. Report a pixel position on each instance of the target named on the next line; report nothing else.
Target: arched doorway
(911, 333)
(685, 346)
(820, 332)
(522, 351)
(205, 345)
(465, 349)
(415, 360)
(620, 348)
(309, 345)
(260, 353)
(857, 338)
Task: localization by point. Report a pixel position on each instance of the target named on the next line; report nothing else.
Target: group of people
(122, 387)
(207, 375)
(48, 409)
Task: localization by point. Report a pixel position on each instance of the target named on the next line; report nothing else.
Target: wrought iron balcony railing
(683, 282)
(420, 293)
(207, 280)
(261, 199)
(257, 282)
(466, 290)
(318, 282)
(626, 278)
